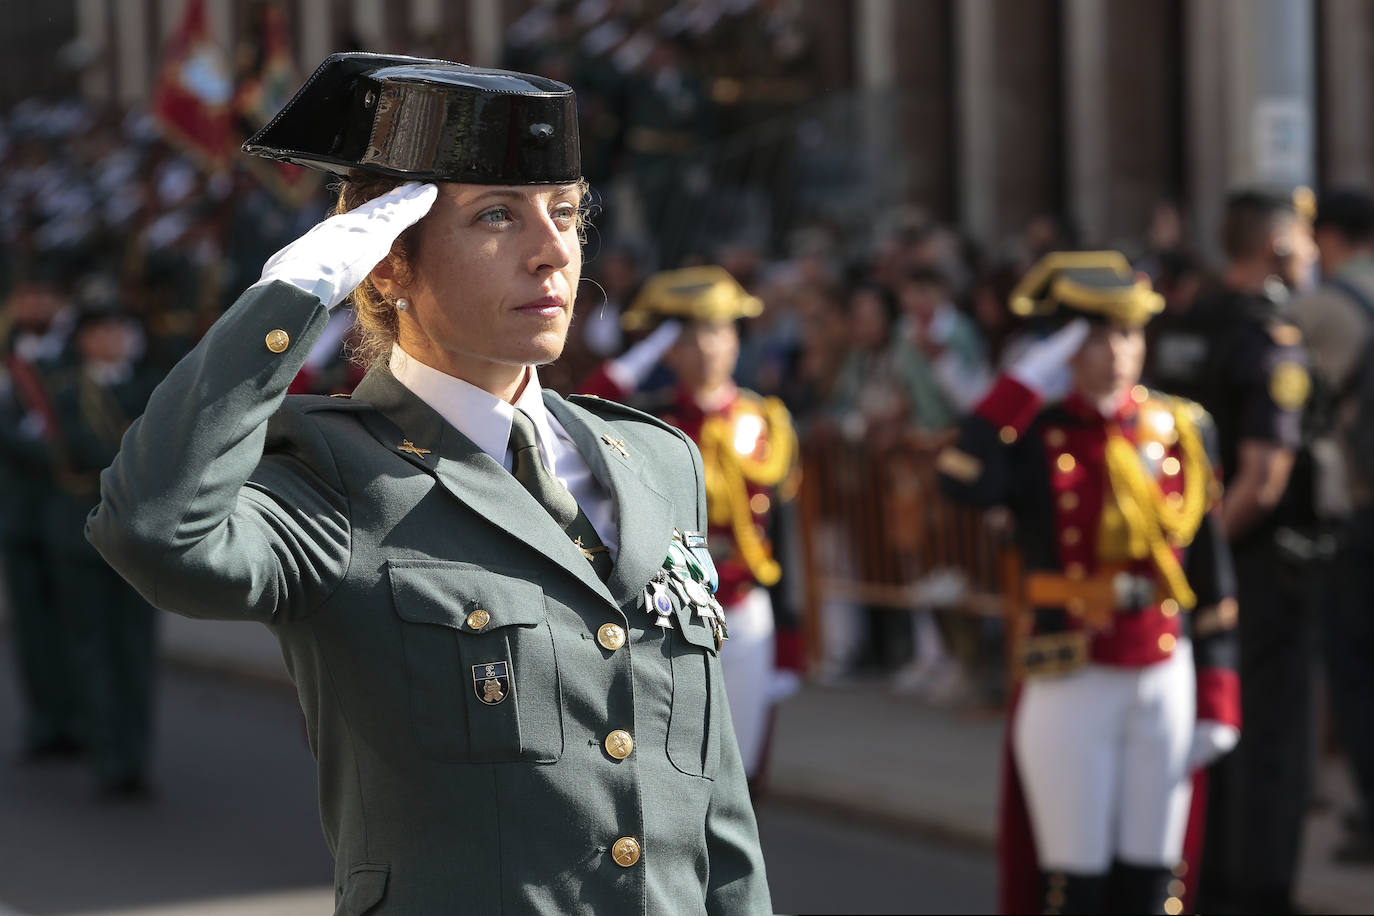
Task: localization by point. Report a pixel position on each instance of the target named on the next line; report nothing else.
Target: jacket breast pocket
(484, 684)
(698, 697)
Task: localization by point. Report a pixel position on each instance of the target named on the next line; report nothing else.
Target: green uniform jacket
(364, 532)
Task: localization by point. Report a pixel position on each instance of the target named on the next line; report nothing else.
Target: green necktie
(528, 468)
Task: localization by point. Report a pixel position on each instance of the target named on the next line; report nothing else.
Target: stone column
(1347, 103)
(98, 78)
(1086, 123)
(1271, 99)
(134, 55)
(316, 30)
(1207, 124)
(369, 21)
(484, 33)
(976, 133)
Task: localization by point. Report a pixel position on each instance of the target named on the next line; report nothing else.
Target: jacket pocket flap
(694, 628)
(364, 889)
(464, 596)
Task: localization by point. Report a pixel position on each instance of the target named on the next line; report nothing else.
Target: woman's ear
(387, 275)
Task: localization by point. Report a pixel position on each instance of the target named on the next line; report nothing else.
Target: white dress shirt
(486, 420)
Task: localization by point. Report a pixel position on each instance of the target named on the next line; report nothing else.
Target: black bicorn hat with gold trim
(707, 293)
(1098, 285)
(427, 120)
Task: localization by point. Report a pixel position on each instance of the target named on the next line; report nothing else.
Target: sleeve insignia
(960, 466)
(1289, 385)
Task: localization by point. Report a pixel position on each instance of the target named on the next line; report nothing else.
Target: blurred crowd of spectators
(886, 345)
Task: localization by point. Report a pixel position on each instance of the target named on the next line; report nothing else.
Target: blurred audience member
(1338, 326)
(1236, 354)
(111, 628)
(39, 320)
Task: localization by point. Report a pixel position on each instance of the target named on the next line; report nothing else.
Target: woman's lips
(543, 307)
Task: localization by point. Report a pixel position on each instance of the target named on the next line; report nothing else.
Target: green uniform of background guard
(229, 500)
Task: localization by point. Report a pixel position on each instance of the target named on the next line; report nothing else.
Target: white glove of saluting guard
(1042, 366)
(631, 368)
(331, 259)
(1211, 741)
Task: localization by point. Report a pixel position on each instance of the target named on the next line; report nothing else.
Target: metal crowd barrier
(876, 531)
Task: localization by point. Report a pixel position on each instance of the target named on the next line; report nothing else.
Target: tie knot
(522, 434)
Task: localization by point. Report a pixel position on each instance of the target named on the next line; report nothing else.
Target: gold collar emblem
(617, 444)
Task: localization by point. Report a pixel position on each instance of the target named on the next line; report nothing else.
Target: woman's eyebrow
(515, 195)
(494, 194)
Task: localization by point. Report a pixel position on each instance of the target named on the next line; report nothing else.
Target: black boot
(1065, 892)
(1145, 889)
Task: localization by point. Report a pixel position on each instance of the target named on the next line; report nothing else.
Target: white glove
(1211, 740)
(634, 365)
(331, 259)
(1042, 362)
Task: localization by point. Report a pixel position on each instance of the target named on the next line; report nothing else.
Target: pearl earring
(402, 305)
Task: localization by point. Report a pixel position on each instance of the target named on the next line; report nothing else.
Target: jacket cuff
(1218, 696)
(1010, 406)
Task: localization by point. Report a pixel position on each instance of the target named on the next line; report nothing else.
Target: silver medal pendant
(658, 603)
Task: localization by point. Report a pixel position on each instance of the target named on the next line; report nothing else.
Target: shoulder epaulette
(1195, 411)
(616, 410)
(310, 403)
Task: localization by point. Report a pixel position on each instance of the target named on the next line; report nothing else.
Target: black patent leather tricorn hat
(427, 120)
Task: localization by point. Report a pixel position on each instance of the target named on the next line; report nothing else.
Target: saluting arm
(191, 512)
(173, 517)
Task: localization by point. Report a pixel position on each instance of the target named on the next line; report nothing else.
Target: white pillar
(134, 56)
(369, 21)
(317, 34)
(1346, 48)
(876, 51)
(1205, 101)
(484, 32)
(426, 16)
(1271, 102)
(976, 133)
(1086, 91)
(169, 16)
(880, 106)
(96, 83)
(219, 15)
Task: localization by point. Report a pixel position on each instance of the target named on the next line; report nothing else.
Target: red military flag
(191, 102)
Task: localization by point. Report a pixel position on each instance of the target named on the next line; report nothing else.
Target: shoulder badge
(1289, 385)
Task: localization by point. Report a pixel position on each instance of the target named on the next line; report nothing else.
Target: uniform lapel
(414, 431)
(643, 515)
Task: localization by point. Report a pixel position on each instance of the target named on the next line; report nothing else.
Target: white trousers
(746, 662)
(1102, 755)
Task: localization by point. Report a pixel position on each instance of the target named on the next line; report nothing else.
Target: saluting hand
(1043, 361)
(331, 259)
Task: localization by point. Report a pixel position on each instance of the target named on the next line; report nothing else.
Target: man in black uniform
(1238, 355)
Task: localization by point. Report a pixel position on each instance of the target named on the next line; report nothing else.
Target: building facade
(987, 113)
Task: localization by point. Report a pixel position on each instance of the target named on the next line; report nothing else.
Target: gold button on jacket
(478, 619)
(619, 744)
(278, 340)
(626, 851)
(610, 636)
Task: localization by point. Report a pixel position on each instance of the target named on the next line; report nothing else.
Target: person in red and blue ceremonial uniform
(748, 451)
(1126, 653)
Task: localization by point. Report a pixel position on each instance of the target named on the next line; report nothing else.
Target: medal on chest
(683, 576)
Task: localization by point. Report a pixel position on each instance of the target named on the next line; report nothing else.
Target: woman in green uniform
(465, 572)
